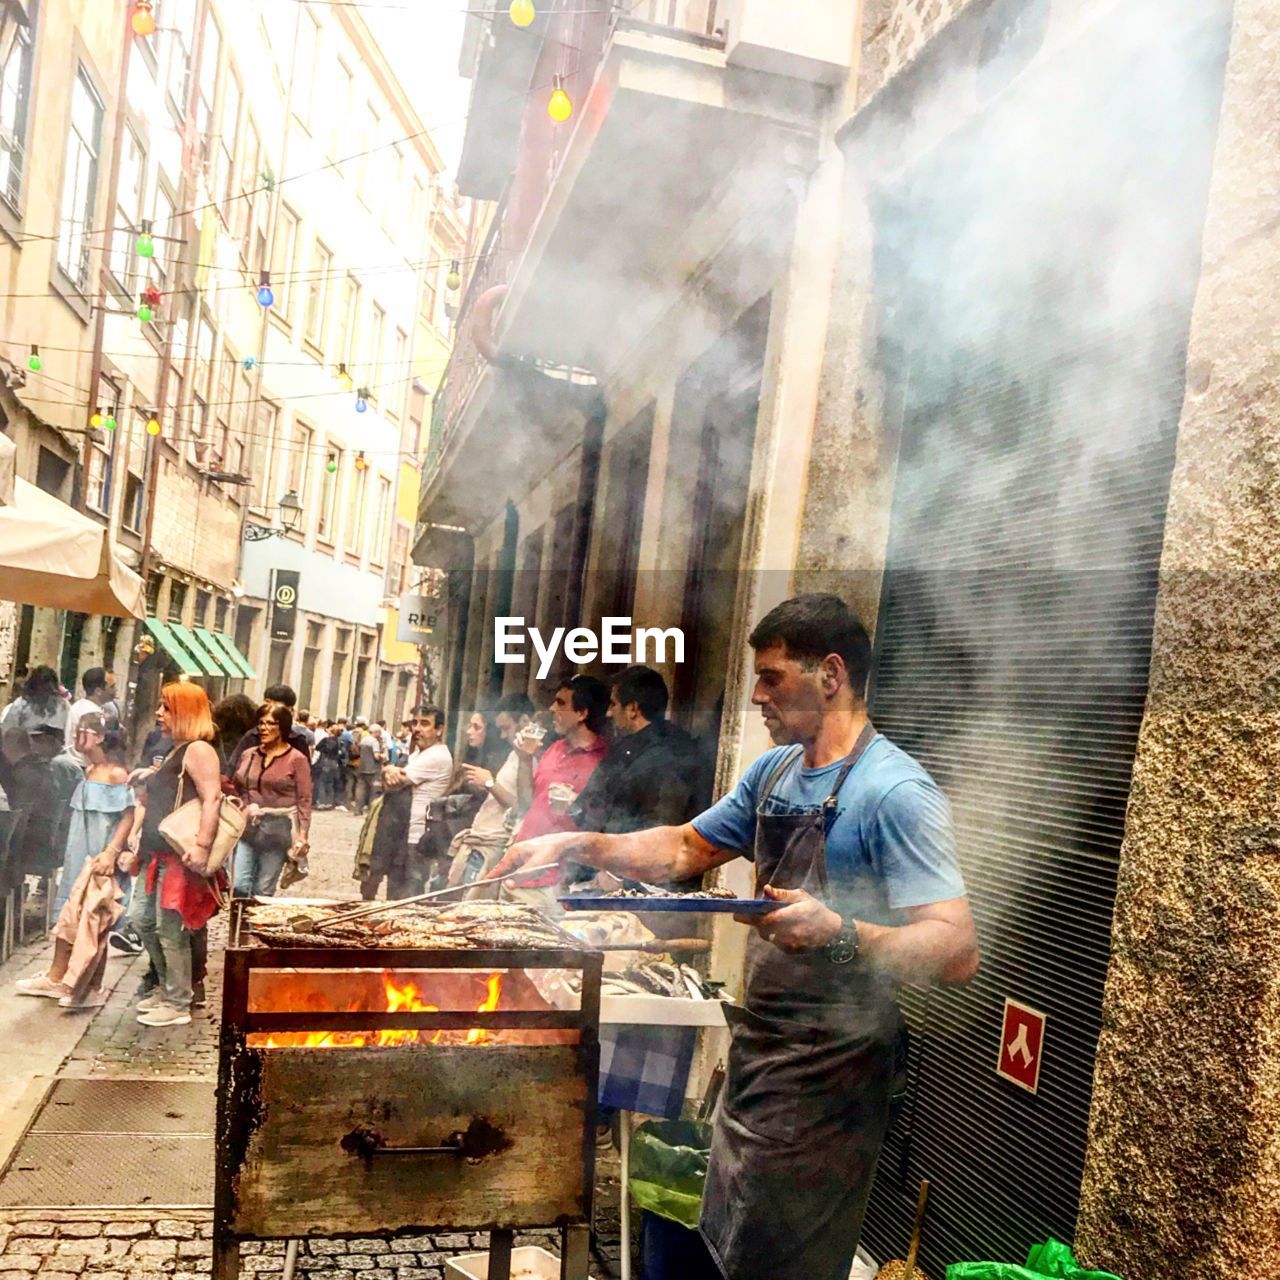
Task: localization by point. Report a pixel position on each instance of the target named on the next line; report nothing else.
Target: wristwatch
(843, 948)
(488, 784)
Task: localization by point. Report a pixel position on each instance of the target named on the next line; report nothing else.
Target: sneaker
(152, 1001)
(198, 998)
(95, 1000)
(127, 943)
(341, 808)
(165, 1015)
(41, 986)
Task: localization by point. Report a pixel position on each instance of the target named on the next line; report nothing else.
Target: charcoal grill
(336, 1121)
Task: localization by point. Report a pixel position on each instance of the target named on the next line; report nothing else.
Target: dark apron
(806, 1102)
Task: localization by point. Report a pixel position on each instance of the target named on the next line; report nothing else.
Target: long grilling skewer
(309, 924)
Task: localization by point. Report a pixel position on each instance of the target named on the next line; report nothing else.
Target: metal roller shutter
(1036, 277)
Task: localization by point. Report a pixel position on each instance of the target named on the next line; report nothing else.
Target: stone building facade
(989, 352)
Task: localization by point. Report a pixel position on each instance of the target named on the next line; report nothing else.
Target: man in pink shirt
(580, 714)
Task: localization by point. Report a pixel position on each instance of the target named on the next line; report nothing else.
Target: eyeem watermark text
(617, 641)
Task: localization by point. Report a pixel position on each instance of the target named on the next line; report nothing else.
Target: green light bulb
(144, 313)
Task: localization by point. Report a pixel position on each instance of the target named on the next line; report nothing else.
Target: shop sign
(284, 604)
(423, 620)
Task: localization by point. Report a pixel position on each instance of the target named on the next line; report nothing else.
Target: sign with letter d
(284, 604)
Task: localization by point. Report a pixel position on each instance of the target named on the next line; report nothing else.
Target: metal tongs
(309, 924)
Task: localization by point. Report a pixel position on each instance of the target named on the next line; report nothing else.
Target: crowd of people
(601, 757)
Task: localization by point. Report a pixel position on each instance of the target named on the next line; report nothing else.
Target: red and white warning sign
(1021, 1045)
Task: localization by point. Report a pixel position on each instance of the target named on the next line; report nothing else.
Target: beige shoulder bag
(181, 827)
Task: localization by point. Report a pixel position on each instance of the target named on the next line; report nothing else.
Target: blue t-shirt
(890, 846)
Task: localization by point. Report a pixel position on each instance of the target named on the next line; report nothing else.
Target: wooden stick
(915, 1230)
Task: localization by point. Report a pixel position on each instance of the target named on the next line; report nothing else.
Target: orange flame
(400, 998)
(477, 1035)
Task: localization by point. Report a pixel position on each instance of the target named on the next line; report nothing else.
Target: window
(179, 18)
(80, 180)
(317, 290)
(381, 519)
(341, 102)
(204, 357)
(261, 450)
(224, 174)
(297, 463)
(431, 288)
(326, 520)
(395, 582)
(377, 371)
(345, 323)
(304, 68)
(284, 255)
(163, 223)
(393, 208)
(397, 378)
(220, 614)
(98, 466)
(207, 88)
(135, 467)
(202, 609)
(129, 206)
(15, 103)
(366, 176)
(251, 202)
(357, 500)
(177, 600)
(199, 429)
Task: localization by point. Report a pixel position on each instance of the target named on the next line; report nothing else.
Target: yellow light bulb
(96, 419)
(522, 12)
(559, 105)
(153, 427)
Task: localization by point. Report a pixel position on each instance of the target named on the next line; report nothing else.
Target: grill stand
(238, 1022)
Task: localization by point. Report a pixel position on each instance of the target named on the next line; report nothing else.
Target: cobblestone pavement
(85, 1245)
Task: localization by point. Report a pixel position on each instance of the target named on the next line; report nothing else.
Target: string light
(362, 400)
(145, 313)
(143, 22)
(249, 363)
(361, 464)
(96, 420)
(345, 380)
(559, 105)
(109, 422)
(522, 12)
(265, 296)
(332, 464)
(453, 281)
(145, 246)
(153, 426)
(34, 363)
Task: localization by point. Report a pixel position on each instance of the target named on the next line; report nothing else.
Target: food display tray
(640, 906)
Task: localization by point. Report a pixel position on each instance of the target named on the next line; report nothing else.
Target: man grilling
(853, 840)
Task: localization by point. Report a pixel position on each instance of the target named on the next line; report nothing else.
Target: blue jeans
(167, 940)
(257, 871)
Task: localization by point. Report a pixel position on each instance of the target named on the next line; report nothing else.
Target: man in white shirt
(429, 769)
(99, 689)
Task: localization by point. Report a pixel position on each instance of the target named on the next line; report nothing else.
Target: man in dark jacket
(652, 774)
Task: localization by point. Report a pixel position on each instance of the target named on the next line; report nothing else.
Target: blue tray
(727, 906)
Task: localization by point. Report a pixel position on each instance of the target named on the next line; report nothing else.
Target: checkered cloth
(646, 1068)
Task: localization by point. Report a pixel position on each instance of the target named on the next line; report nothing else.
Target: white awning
(54, 557)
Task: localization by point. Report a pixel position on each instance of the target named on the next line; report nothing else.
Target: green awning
(220, 660)
(173, 646)
(238, 660)
(207, 665)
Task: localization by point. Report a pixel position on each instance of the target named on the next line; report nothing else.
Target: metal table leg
(500, 1243)
(575, 1253)
(624, 1191)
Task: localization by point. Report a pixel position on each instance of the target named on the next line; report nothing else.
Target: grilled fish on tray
(457, 926)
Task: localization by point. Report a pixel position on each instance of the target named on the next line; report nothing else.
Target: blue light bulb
(362, 405)
(265, 296)
(249, 363)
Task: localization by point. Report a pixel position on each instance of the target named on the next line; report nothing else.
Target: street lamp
(290, 509)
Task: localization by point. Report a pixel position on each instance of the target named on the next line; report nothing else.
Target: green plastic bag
(1049, 1261)
(668, 1168)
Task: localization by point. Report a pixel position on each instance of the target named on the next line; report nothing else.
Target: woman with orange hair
(173, 899)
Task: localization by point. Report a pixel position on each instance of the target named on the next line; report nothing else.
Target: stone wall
(1183, 1173)
(893, 32)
